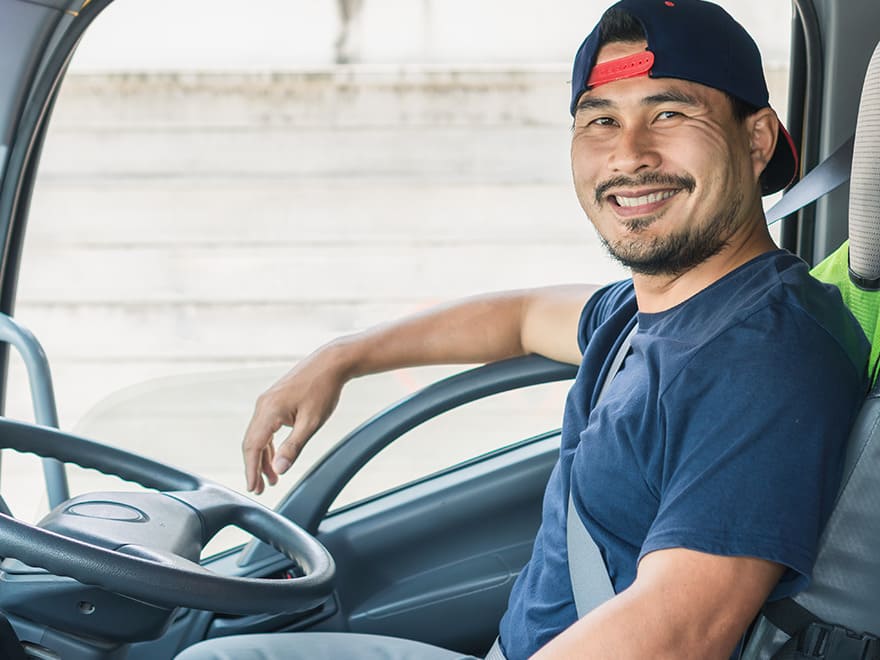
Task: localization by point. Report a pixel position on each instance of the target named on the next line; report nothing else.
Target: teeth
(630, 202)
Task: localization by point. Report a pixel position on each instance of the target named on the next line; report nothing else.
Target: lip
(641, 202)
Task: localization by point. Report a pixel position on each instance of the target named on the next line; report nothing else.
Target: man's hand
(302, 399)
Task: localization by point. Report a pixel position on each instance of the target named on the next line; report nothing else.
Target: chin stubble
(676, 253)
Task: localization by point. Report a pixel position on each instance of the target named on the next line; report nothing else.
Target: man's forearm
(627, 627)
(474, 330)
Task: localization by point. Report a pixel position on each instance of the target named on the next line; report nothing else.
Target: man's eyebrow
(672, 96)
(593, 103)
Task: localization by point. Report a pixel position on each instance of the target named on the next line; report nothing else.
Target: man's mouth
(629, 201)
(629, 195)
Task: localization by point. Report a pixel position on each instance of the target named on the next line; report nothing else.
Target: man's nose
(634, 150)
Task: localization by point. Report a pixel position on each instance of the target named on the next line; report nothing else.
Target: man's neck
(657, 293)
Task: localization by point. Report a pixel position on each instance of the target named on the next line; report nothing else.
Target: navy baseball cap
(697, 41)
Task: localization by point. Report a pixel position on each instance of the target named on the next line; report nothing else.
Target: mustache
(649, 179)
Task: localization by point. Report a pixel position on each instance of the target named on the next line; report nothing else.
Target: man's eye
(668, 114)
(603, 121)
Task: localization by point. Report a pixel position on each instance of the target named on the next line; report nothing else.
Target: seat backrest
(845, 586)
(860, 255)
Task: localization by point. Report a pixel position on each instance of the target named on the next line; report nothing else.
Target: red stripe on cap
(630, 66)
(794, 153)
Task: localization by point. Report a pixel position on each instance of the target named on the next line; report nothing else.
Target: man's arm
(683, 604)
(475, 330)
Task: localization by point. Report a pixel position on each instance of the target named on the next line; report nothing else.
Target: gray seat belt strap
(495, 653)
(617, 362)
(590, 582)
(831, 173)
(589, 578)
(591, 587)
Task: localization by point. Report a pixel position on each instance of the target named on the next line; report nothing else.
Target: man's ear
(763, 128)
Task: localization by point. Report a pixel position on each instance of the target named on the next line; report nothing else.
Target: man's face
(662, 169)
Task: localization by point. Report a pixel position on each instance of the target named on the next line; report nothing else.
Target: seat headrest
(864, 192)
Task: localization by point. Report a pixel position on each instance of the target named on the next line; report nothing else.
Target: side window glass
(770, 25)
(208, 212)
(457, 436)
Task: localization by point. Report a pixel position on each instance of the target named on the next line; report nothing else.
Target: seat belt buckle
(825, 641)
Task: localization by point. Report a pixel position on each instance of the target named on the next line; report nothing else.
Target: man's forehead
(646, 90)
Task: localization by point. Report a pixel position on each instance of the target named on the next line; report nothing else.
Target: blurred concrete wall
(176, 213)
(273, 35)
(222, 191)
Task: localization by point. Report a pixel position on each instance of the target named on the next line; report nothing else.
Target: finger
(253, 459)
(266, 467)
(290, 449)
(257, 438)
(258, 487)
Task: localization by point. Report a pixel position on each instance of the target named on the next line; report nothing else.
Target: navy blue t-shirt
(722, 433)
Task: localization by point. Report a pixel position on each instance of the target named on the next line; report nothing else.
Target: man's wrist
(345, 356)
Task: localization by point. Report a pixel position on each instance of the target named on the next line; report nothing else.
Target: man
(705, 473)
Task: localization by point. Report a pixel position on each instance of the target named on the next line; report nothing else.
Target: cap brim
(782, 170)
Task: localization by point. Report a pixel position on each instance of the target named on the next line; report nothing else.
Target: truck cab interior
(113, 575)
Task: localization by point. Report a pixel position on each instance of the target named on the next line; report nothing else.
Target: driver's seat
(846, 576)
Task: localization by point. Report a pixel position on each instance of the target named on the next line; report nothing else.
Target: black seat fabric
(845, 588)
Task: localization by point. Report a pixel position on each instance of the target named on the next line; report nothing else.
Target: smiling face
(662, 168)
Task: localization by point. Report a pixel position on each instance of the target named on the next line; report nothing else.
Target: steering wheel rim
(169, 581)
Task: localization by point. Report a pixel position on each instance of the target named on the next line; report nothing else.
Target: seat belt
(591, 587)
(590, 582)
(828, 175)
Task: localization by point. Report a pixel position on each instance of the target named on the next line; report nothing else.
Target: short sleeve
(601, 306)
(756, 474)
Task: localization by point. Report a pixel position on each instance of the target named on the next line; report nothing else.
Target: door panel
(434, 561)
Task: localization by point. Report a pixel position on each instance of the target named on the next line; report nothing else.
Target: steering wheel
(166, 576)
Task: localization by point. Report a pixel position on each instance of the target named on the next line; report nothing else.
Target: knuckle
(251, 444)
(265, 402)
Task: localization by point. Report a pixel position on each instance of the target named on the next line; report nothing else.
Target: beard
(676, 253)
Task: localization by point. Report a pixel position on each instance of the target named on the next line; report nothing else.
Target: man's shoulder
(610, 308)
(777, 294)
(770, 315)
(611, 297)
(822, 306)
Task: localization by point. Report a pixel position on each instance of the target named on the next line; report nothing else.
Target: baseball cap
(697, 41)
